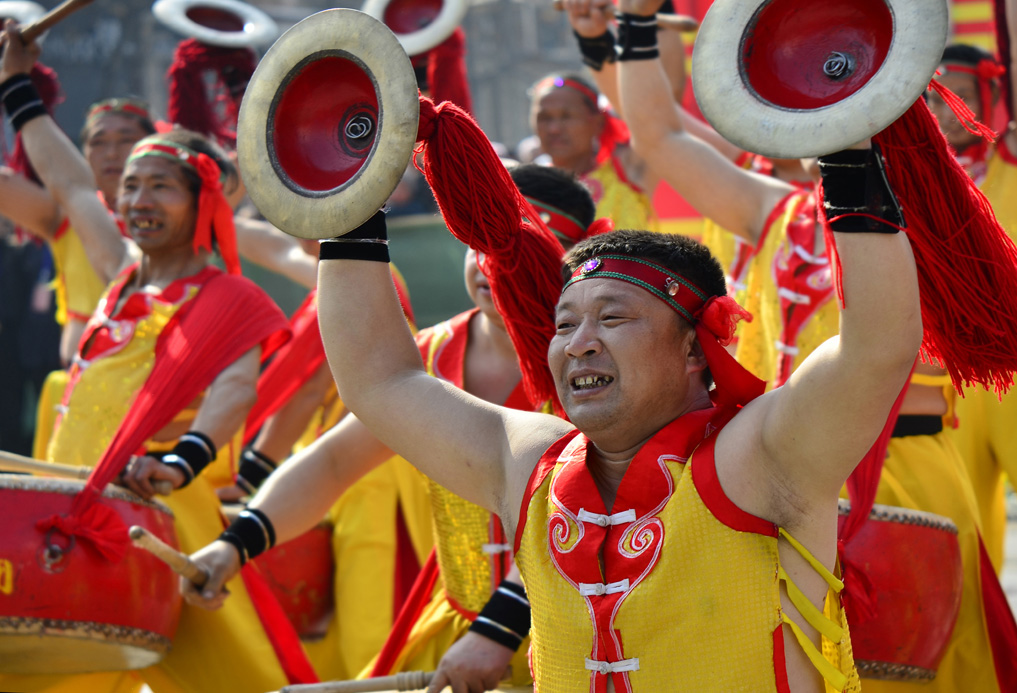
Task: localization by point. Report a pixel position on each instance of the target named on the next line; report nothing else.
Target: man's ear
(695, 361)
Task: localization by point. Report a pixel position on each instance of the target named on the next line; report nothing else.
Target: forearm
(229, 399)
(28, 205)
(265, 245)
(317, 476)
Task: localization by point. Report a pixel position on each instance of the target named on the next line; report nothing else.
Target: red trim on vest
(779, 661)
(704, 476)
(771, 218)
(540, 472)
(470, 616)
(450, 359)
(623, 176)
(62, 229)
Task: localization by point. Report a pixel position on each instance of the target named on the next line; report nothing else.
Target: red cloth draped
(446, 72)
(418, 599)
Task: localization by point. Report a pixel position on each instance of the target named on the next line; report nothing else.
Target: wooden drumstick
(17, 463)
(59, 13)
(406, 681)
(178, 562)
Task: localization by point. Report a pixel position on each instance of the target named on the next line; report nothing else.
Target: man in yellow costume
(472, 351)
(128, 381)
(984, 432)
(791, 294)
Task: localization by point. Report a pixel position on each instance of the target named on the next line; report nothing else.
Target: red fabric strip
(704, 476)
(779, 661)
(407, 567)
(418, 599)
(999, 622)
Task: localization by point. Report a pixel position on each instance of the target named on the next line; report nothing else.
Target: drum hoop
(888, 671)
(903, 516)
(71, 487)
(259, 28)
(422, 40)
(745, 119)
(86, 630)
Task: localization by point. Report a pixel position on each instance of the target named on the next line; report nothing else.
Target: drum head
(794, 78)
(328, 124)
(420, 25)
(228, 23)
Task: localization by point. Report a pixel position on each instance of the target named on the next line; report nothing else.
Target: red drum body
(65, 609)
(913, 561)
(300, 574)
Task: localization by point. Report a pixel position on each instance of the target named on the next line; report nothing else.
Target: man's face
(107, 144)
(156, 202)
(621, 361)
(565, 123)
(966, 87)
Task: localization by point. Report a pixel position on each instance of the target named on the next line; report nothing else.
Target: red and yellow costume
(666, 560)
(222, 650)
(473, 553)
(792, 298)
(617, 198)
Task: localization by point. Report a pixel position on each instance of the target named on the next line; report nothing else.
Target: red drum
(64, 609)
(913, 561)
(300, 574)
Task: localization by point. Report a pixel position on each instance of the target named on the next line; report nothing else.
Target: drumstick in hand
(178, 562)
(32, 31)
(406, 681)
(17, 463)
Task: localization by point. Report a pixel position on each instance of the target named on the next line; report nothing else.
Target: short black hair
(966, 54)
(557, 188)
(200, 144)
(677, 253)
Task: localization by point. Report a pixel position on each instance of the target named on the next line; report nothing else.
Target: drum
(64, 609)
(300, 574)
(913, 561)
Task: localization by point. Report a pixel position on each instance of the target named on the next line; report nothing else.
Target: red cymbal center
(324, 123)
(802, 54)
(407, 16)
(215, 18)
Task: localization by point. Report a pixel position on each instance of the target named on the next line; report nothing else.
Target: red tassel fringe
(483, 208)
(189, 104)
(967, 265)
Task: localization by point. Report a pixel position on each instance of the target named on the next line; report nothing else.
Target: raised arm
(64, 171)
(736, 200)
(806, 437)
(267, 246)
(28, 205)
(480, 451)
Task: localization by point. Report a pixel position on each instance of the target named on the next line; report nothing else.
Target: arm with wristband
(59, 164)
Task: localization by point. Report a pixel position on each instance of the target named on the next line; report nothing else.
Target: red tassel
(483, 208)
(446, 72)
(967, 265)
(188, 100)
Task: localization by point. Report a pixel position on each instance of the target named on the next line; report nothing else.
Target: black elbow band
(637, 37)
(21, 100)
(193, 452)
(255, 467)
(506, 616)
(369, 241)
(251, 534)
(597, 50)
(856, 194)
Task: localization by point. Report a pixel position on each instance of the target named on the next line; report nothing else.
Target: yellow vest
(661, 615)
(617, 199)
(78, 287)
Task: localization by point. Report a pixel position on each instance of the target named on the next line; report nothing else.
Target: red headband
(105, 107)
(214, 212)
(615, 130)
(713, 317)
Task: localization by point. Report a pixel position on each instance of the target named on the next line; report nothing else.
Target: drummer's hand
(143, 470)
(221, 563)
(589, 18)
(17, 58)
(472, 665)
(640, 7)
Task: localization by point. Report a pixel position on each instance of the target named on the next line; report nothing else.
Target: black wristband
(667, 7)
(21, 100)
(637, 37)
(856, 193)
(193, 452)
(254, 469)
(251, 533)
(597, 50)
(369, 241)
(506, 616)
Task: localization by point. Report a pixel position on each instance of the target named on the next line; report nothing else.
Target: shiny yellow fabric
(927, 473)
(78, 287)
(985, 433)
(618, 201)
(364, 549)
(46, 411)
(224, 650)
(725, 644)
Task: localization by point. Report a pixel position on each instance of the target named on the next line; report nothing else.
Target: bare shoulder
(530, 435)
